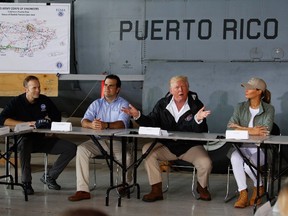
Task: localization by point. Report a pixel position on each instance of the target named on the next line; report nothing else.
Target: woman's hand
(256, 131)
(260, 131)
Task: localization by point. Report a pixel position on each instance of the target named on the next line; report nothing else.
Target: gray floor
(177, 201)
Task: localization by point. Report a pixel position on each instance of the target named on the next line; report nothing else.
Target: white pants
(240, 168)
(87, 150)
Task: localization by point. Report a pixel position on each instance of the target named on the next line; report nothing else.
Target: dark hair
(266, 96)
(115, 77)
(29, 78)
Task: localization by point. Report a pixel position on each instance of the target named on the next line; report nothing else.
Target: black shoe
(51, 183)
(28, 188)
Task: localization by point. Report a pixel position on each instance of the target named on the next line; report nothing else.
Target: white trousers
(87, 150)
(240, 168)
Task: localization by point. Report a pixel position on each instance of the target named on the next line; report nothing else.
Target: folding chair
(118, 171)
(180, 164)
(98, 157)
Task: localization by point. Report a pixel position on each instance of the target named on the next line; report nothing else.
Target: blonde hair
(178, 78)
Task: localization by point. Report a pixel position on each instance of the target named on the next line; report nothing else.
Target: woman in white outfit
(255, 115)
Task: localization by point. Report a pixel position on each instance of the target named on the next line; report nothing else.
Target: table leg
(8, 163)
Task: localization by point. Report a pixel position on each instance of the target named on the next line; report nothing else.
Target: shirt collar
(172, 108)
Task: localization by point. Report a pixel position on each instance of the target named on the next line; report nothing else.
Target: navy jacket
(20, 109)
(161, 117)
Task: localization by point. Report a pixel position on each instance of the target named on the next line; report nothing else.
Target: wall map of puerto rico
(25, 38)
(34, 38)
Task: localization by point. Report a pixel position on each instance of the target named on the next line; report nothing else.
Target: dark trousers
(39, 143)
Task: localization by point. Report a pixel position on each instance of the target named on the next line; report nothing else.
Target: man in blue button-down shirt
(103, 113)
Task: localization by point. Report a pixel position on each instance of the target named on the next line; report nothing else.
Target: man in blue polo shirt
(103, 113)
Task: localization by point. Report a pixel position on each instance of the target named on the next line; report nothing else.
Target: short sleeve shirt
(108, 112)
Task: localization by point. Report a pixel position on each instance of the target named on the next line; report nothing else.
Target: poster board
(12, 84)
(35, 38)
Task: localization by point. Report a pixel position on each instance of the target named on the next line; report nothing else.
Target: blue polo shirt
(108, 112)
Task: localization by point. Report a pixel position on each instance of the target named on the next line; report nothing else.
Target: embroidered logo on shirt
(43, 108)
(189, 117)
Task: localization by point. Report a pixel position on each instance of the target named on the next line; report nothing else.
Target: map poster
(34, 38)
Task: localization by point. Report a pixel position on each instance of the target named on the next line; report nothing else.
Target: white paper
(237, 134)
(23, 127)
(150, 130)
(164, 133)
(4, 130)
(61, 126)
